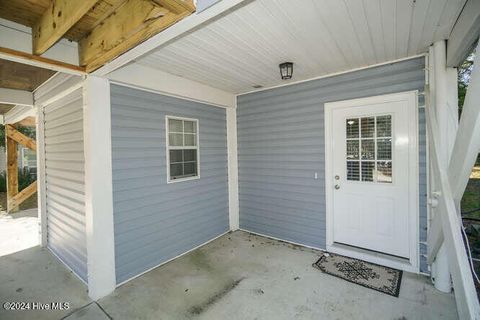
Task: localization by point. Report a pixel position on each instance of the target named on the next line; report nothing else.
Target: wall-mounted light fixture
(286, 70)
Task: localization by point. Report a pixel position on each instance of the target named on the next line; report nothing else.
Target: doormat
(369, 275)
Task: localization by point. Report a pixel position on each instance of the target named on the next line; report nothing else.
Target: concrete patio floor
(238, 276)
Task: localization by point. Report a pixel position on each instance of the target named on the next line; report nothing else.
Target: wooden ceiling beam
(60, 16)
(132, 23)
(177, 6)
(33, 60)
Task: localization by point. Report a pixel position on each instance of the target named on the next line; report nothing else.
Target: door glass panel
(384, 149)
(384, 171)
(352, 149)
(368, 127)
(369, 139)
(384, 126)
(353, 170)
(368, 149)
(368, 168)
(352, 128)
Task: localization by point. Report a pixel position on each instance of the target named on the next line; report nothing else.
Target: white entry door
(372, 141)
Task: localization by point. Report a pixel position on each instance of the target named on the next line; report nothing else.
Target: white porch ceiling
(244, 47)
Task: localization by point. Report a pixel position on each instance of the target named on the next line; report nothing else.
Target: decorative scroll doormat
(369, 275)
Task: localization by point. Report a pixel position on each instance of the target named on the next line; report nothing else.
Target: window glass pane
(190, 139)
(368, 149)
(384, 171)
(352, 128)
(384, 126)
(367, 170)
(384, 149)
(176, 156)
(353, 170)
(176, 170)
(190, 168)
(175, 125)
(190, 126)
(190, 155)
(368, 127)
(175, 139)
(352, 149)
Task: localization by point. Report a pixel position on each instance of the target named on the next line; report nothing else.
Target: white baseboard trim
(283, 240)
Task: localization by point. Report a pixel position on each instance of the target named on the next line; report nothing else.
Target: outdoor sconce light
(286, 70)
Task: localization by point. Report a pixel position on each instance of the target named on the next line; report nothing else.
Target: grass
(471, 197)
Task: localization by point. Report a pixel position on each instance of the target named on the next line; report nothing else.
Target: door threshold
(376, 257)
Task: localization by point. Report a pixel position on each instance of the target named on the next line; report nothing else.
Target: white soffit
(321, 37)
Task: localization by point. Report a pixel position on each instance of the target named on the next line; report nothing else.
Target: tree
(464, 74)
(28, 131)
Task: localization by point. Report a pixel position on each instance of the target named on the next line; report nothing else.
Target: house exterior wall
(65, 181)
(155, 221)
(281, 146)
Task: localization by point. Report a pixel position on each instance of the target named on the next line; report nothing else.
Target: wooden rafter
(60, 16)
(130, 24)
(19, 137)
(30, 59)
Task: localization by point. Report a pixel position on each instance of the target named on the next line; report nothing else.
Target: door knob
(337, 186)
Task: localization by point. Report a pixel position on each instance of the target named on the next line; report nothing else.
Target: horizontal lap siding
(64, 181)
(156, 221)
(281, 147)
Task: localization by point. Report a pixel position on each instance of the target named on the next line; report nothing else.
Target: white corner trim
(181, 28)
(142, 77)
(17, 97)
(413, 263)
(98, 187)
(232, 151)
(41, 190)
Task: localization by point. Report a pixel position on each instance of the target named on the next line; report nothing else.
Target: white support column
(41, 191)
(233, 204)
(98, 187)
(445, 108)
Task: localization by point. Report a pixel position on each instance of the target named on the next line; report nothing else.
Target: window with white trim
(182, 148)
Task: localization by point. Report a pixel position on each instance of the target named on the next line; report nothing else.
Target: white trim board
(413, 264)
(169, 260)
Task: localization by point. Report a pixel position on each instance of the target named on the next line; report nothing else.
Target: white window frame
(168, 148)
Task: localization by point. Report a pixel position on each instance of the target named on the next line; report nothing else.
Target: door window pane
(369, 139)
(353, 170)
(352, 149)
(384, 126)
(352, 128)
(384, 171)
(368, 169)
(384, 149)
(368, 127)
(368, 149)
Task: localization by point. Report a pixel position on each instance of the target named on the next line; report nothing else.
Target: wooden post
(12, 170)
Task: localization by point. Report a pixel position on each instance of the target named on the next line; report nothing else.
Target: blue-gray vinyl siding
(155, 221)
(281, 144)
